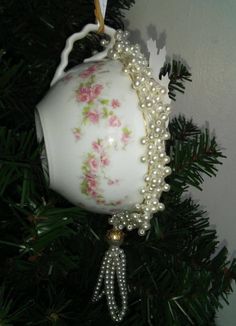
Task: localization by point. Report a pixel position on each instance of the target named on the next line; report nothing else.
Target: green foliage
(33, 34)
(51, 251)
(8, 313)
(173, 271)
(195, 154)
(178, 74)
(20, 166)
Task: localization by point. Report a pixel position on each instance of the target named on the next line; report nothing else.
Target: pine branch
(182, 129)
(42, 225)
(194, 153)
(173, 268)
(20, 164)
(178, 74)
(8, 312)
(32, 46)
(15, 102)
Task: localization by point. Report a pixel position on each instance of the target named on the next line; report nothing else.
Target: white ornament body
(104, 126)
(92, 125)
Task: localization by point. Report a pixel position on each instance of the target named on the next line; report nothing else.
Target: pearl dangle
(113, 265)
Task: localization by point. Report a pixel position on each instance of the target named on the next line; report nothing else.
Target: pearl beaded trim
(155, 114)
(113, 264)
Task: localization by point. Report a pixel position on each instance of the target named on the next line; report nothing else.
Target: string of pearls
(113, 264)
(155, 114)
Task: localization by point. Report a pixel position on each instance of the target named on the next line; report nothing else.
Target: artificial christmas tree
(51, 250)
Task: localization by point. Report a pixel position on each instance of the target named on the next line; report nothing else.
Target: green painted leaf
(105, 112)
(104, 101)
(84, 187)
(126, 131)
(86, 108)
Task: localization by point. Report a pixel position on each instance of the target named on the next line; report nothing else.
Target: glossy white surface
(63, 109)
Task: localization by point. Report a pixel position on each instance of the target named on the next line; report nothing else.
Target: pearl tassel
(113, 264)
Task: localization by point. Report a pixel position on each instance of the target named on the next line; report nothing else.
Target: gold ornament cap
(115, 237)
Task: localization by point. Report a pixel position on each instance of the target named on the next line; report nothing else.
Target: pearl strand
(155, 114)
(113, 264)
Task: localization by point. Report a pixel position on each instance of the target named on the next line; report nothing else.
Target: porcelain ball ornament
(104, 125)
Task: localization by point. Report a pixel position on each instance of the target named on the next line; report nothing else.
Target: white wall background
(203, 33)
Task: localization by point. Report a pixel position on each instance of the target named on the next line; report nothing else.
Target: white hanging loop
(78, 36)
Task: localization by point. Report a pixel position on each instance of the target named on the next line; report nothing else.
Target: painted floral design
(93, 167)
(92, 116)
(97, 147)
(115, 104)
(112, 182)
(67, 77)
(88, 94)
(77, 133)
(126, 135)
(97, 109)
(89, 71)
(114, 121)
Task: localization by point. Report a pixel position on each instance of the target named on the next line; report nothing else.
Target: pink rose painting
(91, 184)
(93, 116)
(125, 138)
(88, 72)
(115, 104)
(92, 192)
(94, 170)
(104, 159)
(77, 133)
(112, 182)
(91, 180)
(88, 94)
(83, 94)
(97, 146)
(114, 121)
(93, 164)
(95, 109)
(126, 135)
(68, 77)
(96, 90)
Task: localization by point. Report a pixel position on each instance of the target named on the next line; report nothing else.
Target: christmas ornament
(104, 125)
